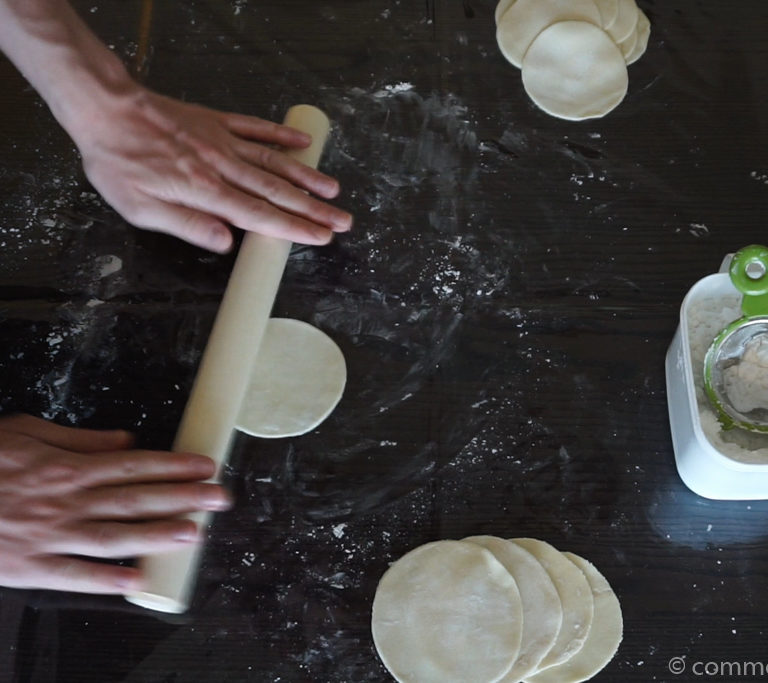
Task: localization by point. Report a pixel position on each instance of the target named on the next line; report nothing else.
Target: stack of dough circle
(573, 53)
(488, 610)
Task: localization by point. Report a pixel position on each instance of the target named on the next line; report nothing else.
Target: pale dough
(625, 21)
(502, 7)
(526, 19)
(542, 609)
(628, 45)
(575, 596)
(643, 31)
(447, 612)
(297, 379)
(573, 70)
(604, 635)
(609, 12)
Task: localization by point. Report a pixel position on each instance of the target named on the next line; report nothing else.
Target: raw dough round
(604, 635)
(643, 34)
(609, 12)
(575, 596)
(625, 21)
(447, 612)
(628, 45)
(574, 70)
(542, 609)
(297, 380)
(502, 7)
(526, 19)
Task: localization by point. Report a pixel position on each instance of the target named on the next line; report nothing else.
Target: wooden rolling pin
(208, 423)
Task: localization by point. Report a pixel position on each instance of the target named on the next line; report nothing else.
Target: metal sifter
(736, 364)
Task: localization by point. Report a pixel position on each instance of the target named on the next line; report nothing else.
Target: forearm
(74, 72)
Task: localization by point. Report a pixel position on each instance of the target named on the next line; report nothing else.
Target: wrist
(75, 73)
(90, 96)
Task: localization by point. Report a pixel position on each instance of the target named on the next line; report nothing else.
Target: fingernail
(216, 501)
(221, 242)
(332, 188)
(345, 222)
(129, 582)
(187, 535)
(202, 463)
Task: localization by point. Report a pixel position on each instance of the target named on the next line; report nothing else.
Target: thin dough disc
(525, 19)
(575, 596)
(574, 70)
(297, 380)
(609, 12)
(502, 7)
(628, 45)
(643, 34)
(447, 612)
(625, 21)
(604, 635)
(542, 609)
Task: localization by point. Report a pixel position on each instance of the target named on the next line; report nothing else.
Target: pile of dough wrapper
(573, 53)
(488, 609)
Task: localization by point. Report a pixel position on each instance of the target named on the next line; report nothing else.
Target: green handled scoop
(736, 364)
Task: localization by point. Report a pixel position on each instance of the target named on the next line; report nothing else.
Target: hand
(70, 494)
(189, 171)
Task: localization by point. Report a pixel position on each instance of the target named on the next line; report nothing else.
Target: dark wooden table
(504, 304)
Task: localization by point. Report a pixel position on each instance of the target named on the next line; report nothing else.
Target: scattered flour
(746, 381)
(706, 318)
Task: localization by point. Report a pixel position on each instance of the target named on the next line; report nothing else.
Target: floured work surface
(503, 305)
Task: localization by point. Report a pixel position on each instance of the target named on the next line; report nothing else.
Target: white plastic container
(703, 468)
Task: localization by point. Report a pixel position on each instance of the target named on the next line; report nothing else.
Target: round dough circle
(573, 70)
(542, 609)
(604, 635)
(628, 45)
(525, 19)
(502, 7)
(575, 596)
(609, 12)
(447, 612)
(297, 379)
(626, 21)
(643, 34)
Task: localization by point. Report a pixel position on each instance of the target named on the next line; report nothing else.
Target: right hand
(67, 495)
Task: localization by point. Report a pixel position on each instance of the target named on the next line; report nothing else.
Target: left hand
(189, 171)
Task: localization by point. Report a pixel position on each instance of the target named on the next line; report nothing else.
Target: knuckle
(105, 535)
(273, 187)
(267, 157)
(129, 468)
(51, 475)
(45, 509)
(201, 179)
(127, 500)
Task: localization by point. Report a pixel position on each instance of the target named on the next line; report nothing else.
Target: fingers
(253, 128)
(193, 226)
(284, 195)
(123, 539)
(68, 438)
(141, 467)
(284, 166)
(79, 576)
(151, 501)
(259, 215)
